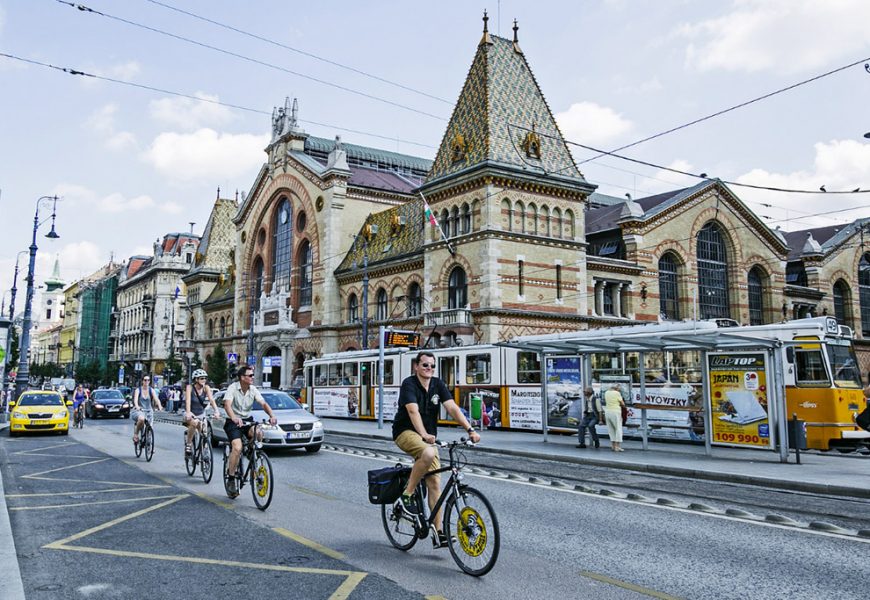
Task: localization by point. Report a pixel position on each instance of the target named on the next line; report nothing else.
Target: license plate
(114, 408)
(295, 435)
(39, 421)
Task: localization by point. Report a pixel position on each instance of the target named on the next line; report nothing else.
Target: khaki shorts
(411, 443)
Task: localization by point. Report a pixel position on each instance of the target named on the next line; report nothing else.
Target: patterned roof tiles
(392, 239)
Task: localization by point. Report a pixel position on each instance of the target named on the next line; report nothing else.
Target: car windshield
(108, 395)
(41, 400)
(280, 401)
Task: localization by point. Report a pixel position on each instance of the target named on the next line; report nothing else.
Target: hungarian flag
(430, 216)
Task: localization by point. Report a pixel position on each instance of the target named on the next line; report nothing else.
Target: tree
(172, 370)
(90, 372)
(217, 366)
(196, 361)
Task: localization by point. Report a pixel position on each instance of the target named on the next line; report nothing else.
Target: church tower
(51, 311)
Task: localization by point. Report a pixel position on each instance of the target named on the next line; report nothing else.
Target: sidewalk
(10, 574)
(820, 473)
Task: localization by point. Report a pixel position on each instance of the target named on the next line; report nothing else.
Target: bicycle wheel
(472, 528)
(206, 464)
(190, 457)
(149, 443)
(399, 528)
(227, 477)
(137, 446)
(262, 482)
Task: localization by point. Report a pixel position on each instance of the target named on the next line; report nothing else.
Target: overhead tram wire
(298, 51)
(729, 109)
(83, 8)
(71, 71)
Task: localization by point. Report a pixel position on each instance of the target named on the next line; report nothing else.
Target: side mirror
(69, 402)
(12, 404)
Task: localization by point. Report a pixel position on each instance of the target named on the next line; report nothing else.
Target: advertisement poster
(738, 399)
(391, 403)
(524, 408)
(335, 402)
(490, 414)
(564, 386)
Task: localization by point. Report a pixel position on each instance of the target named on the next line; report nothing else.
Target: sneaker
(597, 444)
(581, 445)
(441, 540)
(409, 505)
(233, 491)
(188, 449)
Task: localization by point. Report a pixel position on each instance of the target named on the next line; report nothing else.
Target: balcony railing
(456, 316)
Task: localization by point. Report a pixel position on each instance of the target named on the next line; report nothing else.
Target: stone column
(617, 299)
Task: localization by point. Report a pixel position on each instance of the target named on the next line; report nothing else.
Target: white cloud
(124, 71)
(650, 86)
(103, 122)
(188, 114)
(172, 208)
(205, 155)
(592, 124)
(839, 165)
(782, 35)
(121, 141)
(116, 202)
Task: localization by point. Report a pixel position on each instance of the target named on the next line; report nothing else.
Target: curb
(684, 472)
(10, 573)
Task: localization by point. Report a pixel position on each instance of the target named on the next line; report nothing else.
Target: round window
(301, 221)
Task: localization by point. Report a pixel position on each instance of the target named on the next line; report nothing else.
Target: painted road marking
(628, 586)
(312, 492)
(310, 543)
(37, 475)
(47, 506)
(133, 487)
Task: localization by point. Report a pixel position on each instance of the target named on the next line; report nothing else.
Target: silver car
(296, 428)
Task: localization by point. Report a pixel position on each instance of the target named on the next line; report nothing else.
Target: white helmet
(199, 373)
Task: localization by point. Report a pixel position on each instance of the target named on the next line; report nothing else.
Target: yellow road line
(90, 462)
(345, 589)
(220, 503)
(312, 492)
(46, 506)
(628, 586)
(435, 598)
(310, 543)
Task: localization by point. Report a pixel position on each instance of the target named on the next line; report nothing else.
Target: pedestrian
(613, 404)
(592, 414)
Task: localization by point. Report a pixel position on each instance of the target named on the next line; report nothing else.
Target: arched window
(532, 219)
(457, 290)
(382, 305)
(712, 273)
(841, 295)
(556, 220)
(454, 221)
(466, 218)
(223, 329)
(257, 284)
(545, 221)
(415, 300)
(445, 222)
(669, 297)
(305, 274)
(520, 210)
(352, 309)
(568, 229)
(864, 293)
(211, 329)
(507, 213)
(282, 236)
(756, 296)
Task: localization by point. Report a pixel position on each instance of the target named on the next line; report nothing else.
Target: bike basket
(386, 485)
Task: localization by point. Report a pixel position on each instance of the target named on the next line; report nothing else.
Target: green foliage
(90, 372)
(196, 361)
(172, 370)
(217, 365)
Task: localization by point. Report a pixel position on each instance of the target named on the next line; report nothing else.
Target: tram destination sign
(396, 338)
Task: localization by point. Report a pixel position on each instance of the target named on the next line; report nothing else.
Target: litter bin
(797, 433)
(475, 407)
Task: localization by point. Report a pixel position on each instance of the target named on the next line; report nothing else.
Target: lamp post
(72, 362)
(14, 289)
(22, 378)
(122, 341)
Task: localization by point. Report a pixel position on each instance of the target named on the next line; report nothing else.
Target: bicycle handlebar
(460, 442)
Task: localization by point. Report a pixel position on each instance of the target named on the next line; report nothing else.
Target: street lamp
(14, 289)
(22, 378)
(72, 362)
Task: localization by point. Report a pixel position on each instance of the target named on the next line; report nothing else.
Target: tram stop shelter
(719, 341)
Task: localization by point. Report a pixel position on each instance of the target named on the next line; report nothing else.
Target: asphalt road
(557, 542)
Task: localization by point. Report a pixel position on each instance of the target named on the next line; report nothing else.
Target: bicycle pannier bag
(386, 485)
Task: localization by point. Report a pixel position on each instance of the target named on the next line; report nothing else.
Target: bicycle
(201, 453)
(470, 523)
(257, 467)
(79, 416)
(146, 439)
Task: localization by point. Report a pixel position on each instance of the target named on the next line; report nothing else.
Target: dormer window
(458, 148)
(531, 144)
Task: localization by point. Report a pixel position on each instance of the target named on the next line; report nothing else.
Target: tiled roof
(136, 264)
(173, 242)
(499, 105)
(365, 156)
(391, 241)
(224, 292)
(827, 237)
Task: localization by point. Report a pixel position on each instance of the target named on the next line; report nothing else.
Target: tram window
(810, 368)
(320, 374)
(844, 366)
(528, 367)
(388, 372)
(478, 368)
(334, 374)
(349, 376)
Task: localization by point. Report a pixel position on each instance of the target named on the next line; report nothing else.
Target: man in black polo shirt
(415, 426)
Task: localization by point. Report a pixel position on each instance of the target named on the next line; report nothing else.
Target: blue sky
(132, 165)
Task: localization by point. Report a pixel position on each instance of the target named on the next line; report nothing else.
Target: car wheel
(312, 449)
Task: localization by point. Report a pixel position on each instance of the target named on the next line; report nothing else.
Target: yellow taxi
(39, 410)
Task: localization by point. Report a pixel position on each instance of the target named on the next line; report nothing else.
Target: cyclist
(79, 401)
(196, 397)
(414, 427)
(238, 401)
(144, 398)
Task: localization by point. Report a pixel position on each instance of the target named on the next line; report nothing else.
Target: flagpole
(431, 216)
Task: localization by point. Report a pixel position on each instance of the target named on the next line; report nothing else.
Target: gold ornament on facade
(531, 144)
(318, 204)
(458, 148)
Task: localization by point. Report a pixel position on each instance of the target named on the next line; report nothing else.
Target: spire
(218, 196)
(54, 282)
(516, 39)
(485, 39)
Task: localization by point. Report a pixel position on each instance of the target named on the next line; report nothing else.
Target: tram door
(448, 372)
(367, 372)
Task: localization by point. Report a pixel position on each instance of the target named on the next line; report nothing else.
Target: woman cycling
(144, 398)
(79, 402)
(196, 397)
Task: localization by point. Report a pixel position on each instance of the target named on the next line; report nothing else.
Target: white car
(296, 428)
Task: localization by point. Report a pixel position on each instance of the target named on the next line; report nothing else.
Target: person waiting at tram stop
(590, 417)
(613, 404)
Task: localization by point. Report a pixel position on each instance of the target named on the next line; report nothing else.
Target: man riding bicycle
(238, 401)
(415, 426)
(197, 397)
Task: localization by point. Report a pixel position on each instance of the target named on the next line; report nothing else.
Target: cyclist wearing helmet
(196, 397)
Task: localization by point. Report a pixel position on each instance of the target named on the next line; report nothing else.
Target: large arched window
(305, 274)
(755, 282)
(712, 273)
(457, 289)
(382, 304)
(864, 293)
(211, 329)
(352, 309)
(415, 300)
(669, 299)
(282, 236)
(455, 224)
(508, 214)
(841, 293)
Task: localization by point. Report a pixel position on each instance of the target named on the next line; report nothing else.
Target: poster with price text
(738, 401)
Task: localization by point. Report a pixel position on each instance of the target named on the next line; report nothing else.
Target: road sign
(232, 357)
(252, 360)
(267, 362)
(120, 374)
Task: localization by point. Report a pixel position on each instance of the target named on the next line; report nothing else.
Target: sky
(131, 164)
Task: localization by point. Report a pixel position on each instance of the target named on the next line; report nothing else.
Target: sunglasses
(427, 365)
